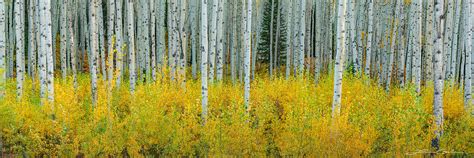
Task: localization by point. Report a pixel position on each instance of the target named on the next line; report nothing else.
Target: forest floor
(287, 117)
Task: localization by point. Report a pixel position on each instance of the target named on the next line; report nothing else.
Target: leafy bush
(287, 118)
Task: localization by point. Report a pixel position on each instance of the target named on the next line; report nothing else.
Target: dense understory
(287, 117)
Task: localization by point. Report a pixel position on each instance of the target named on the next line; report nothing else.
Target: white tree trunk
(120, 43)
(302, 30)
(339, 63)
(438, 69)
(63, 34)
(247, 44)
(220, 41)
(19, 45)
(418, 4)
(204, 55)
(213, 39)
(95, 49)
(289, 22)
(131, 36)
(468, 27)
(370, 31)
(3, 74)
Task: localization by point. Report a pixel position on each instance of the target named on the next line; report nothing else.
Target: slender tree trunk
(73, 47)
(339, 63)
(247, 40)
(183, 42)
(370, 31)
(302, 30)
(418, 4)
(110, 38)
(19, 45)
(95, 47)
(120, 43)
(213, 39)
(468, 27)
(220, 41)
(194, 34)
(204, 47)
(289, 22)
(33, 40)
(271, 38)
(131, 50)
(63, 36)
(3, 69)
(438, 68)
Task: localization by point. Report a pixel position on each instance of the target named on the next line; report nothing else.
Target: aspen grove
(245, 78)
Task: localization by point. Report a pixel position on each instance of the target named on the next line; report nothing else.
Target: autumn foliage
(287, 118)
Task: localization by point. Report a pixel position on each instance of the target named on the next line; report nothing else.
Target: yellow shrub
(287, 118)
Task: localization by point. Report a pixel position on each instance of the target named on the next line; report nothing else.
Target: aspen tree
(19, 45)
(32, 34)
(3, 75)
(289, 22)
(370, 31)
(95, 46)
(131, 48)
(417, 45)
(120, 42)
(247, 40)
(110, 36)
(339, 63)
(63, 36)
(220, 41)
(301, 33)
(71, 21)
(204, 56)
(438, 69)
(468, 53)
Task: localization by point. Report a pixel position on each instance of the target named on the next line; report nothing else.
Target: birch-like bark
(247, 44)
(32, 49)
(110, 36)
(194, 33)
(120, 44)
(183, 42)
(392, 44)
(277, 36)
(73, 47)
(418, 4)
(144, 40)
(161, 35)
(204, 56)
(153, 39)
(63, 37)
(339, 63)
(289, 22)
(468, 53)
(353, 38)
(3, 74)
(19, 45)
(454, 54)
(370, 31)
(429, 45)
(95, 49)
(220, 41)
(438, 69)
(302, 31)
(213, 39)
(101, 41)
(131, 50)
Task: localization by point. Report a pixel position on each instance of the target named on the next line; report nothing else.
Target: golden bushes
(287, 118)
